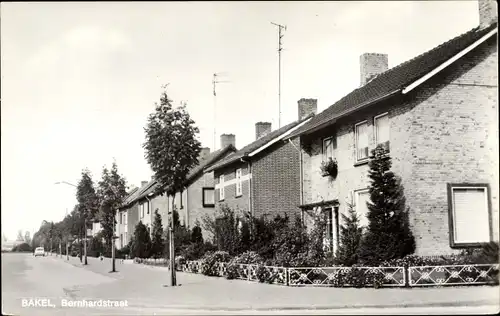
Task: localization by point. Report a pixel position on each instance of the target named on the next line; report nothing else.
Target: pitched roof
(132, 194)
(209, 159)
(255, 145)
(395, 79)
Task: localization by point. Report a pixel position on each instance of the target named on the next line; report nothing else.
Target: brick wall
(195, 208)
(276, 181)
(237, 203)
(451, 123)
(132, 220)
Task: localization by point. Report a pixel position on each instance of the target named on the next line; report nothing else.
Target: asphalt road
(25, 277)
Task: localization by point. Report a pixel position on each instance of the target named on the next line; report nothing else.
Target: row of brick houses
(436, 113)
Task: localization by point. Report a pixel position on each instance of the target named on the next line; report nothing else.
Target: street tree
(111, 191)
(88, 203)
(388, 234)
(171, 149)
(20, 236)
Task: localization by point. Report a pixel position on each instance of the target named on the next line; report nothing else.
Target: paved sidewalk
(144, 287)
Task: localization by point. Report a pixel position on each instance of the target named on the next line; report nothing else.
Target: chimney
(143, 183)
(306, 107)
(227, 139)
(261, 129)
(205, 151)
(487, 13)
(371, 65)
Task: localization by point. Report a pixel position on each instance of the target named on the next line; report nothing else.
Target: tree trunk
(173, 281)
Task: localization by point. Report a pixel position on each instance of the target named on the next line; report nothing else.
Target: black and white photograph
(249, 158)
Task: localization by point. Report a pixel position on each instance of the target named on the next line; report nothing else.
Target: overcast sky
(79, 79)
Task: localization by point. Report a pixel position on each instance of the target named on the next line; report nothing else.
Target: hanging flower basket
(329, 168)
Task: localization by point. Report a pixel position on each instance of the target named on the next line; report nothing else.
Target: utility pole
(214, 82)
(280, 36)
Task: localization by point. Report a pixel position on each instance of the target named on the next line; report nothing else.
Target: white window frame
(452, 216)
(221, 188)
(356, 204)
(356, 141)
(325, 149)
(386, 114)
(239, 191)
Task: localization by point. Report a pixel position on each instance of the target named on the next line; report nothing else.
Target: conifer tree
(157, 243)
(350, 237)
(388, 235)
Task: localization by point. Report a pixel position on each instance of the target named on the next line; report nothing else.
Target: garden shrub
(350, 237)
(211, 259)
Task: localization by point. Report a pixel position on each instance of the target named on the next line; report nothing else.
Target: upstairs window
(221, 187)
(238, 182)
(382, 128)
(469, 214)
(328, 146)
(361, 135)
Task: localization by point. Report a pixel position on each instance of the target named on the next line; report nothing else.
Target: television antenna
(215, 81)
(280, 36)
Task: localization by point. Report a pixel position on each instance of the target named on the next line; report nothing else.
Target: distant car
(39, 252)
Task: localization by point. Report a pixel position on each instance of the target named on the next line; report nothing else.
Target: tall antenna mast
(280, 36)
(215, 80)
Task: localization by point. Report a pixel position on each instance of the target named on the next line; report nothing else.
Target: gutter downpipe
(301, 185)
(250, 189)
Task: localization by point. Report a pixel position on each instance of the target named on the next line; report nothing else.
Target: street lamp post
(84, 223)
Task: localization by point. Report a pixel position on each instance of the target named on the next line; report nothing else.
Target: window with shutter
(221, 187)
(238, 182)
(361, 131)
(362, 197)
(470, 219)
(208, 197)
(382, 129)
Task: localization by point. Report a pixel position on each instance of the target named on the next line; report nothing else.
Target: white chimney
(487, 12)
(143, 183)
(371, 65)
(227, 139)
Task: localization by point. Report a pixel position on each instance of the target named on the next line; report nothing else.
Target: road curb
(317, 307)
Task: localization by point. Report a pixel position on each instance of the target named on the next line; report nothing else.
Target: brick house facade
(190, 202)
(442, 133)
(263, 178)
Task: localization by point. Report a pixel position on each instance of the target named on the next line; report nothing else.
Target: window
(382, 128)
(121, 216)
(180, 201)
(361, 134)
(121, 240)
(147, 206)
(125, 238)
(469, 214)
(328, 146)
(208, 197)
(221, 187)
(125, 218)
(361, 198)
(142, 210)
(238, 182)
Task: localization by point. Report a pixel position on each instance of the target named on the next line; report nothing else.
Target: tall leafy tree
(171, 148)
(388, 235)
(350, 237)
(20, 236)
(157, 243)
(111, 191)
(87, 197)
(88, 201)
(27, 237)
